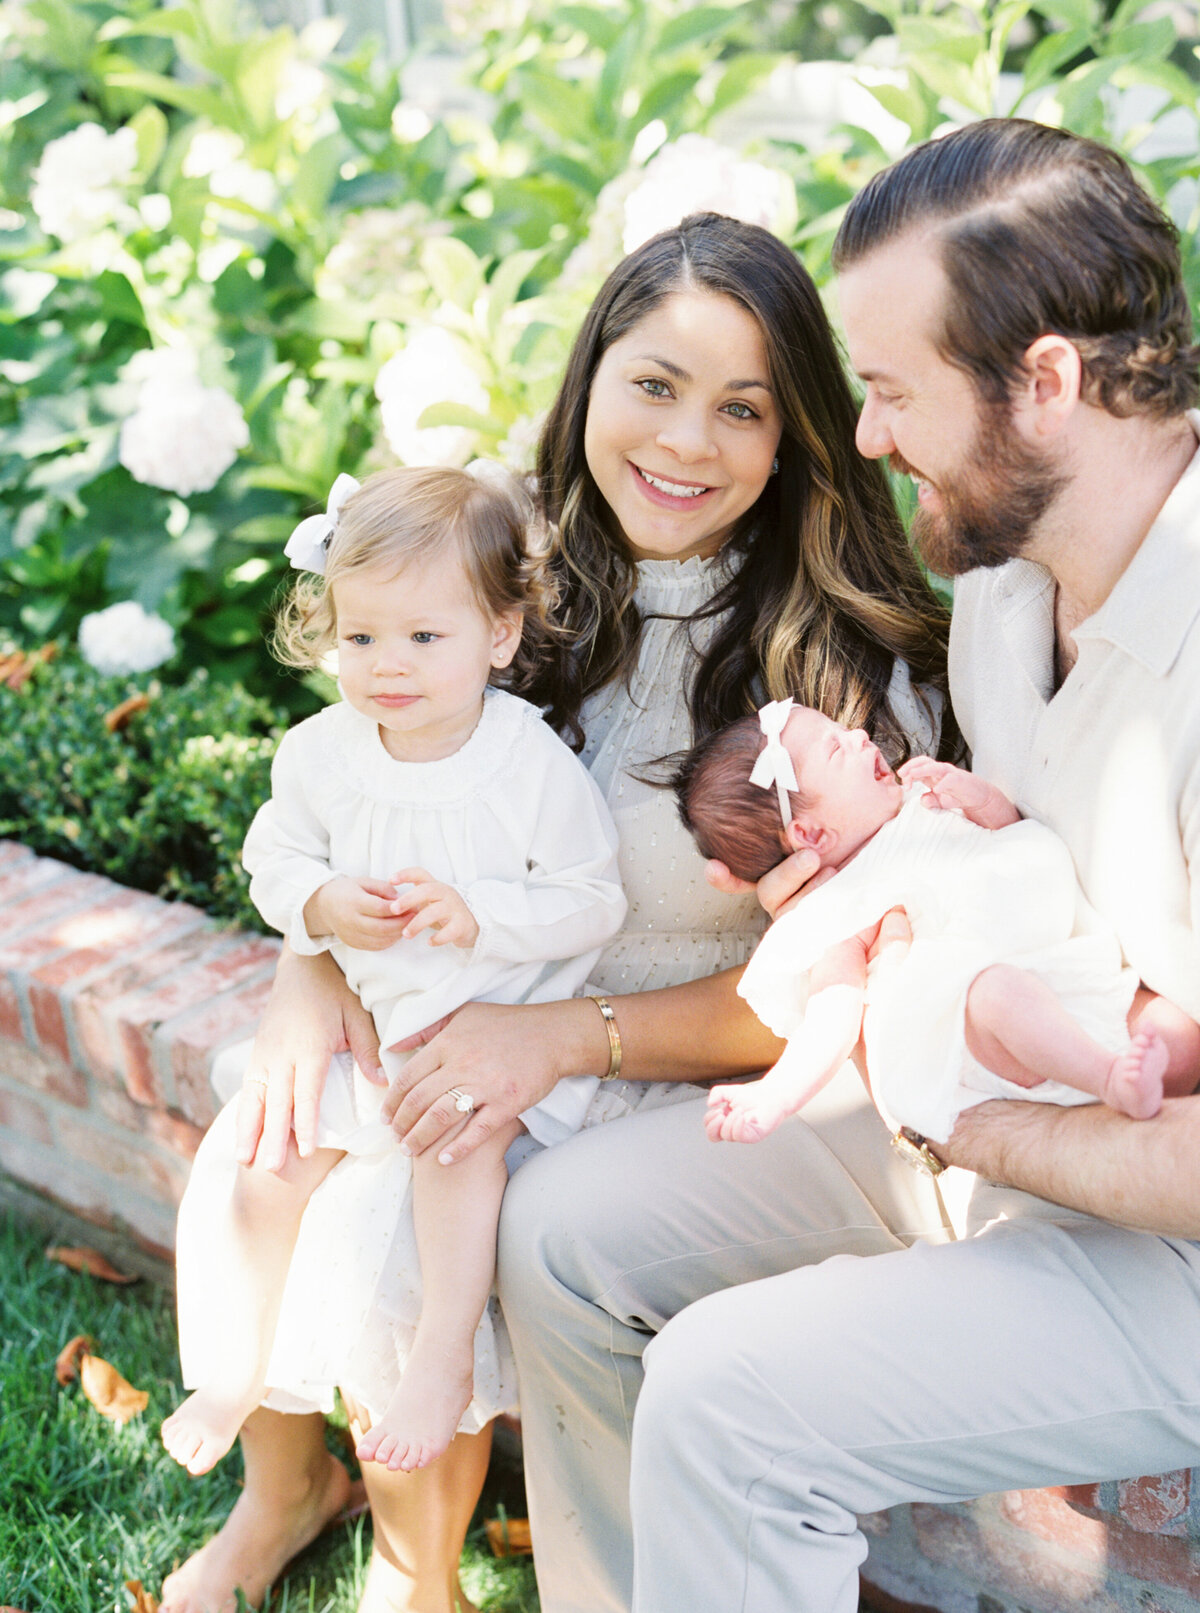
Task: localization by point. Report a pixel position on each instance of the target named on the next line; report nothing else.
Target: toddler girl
(508, 890)
(956, 941)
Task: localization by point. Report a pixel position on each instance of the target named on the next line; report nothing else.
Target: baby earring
(775, 466)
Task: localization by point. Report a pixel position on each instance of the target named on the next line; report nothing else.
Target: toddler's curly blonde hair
(405, 516)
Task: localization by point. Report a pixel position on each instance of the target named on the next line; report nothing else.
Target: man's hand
(360, 912)
(953, 787)
(430, 906)
(780, 887)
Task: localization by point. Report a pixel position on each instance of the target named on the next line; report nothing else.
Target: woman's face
(682, 426)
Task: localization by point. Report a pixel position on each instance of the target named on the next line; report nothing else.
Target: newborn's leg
(1017, 1028)
(246, 1267)
(456, 1209)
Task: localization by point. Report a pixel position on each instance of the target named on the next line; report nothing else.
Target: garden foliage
(236, 260)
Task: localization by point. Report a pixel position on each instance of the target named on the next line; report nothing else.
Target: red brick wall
(112, 1005)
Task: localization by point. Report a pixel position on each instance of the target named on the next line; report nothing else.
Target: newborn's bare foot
(1135, 1078)
(253, 1548)
(204, 1427)
(422, 1417)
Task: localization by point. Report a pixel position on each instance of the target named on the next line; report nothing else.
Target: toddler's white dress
(678, 928)
(974, 897)
(516, 825)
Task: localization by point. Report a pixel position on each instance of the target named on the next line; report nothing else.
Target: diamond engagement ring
(463, 1101)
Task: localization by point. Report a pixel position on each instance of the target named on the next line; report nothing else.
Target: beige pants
(607, 1237)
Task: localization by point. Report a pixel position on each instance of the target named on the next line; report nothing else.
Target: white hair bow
(774, 765)
(308, 546)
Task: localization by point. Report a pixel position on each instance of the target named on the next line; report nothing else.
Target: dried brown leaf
(140, 1601)
(509, 1537)
(10, 1610)
(109, 1392)
(89, 1260)
(119, 716)
(66, 1368)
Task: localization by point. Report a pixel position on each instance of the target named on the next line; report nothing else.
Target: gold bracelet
(614, 1037)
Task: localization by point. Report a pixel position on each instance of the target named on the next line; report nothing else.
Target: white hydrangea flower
(376, 255)
(218, 156)
(182, 436)
(697, 175)
(431, 368)
(518, 449)
(125, 638)
(80, 184)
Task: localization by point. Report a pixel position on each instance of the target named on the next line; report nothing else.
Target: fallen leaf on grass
(66, 1368)
(108, 1391)
(10, 1610)
(89, 1260)
(119, 716)
(509, 1537)
(140, 1601)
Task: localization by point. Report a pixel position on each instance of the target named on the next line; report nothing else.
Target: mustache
(900, 465)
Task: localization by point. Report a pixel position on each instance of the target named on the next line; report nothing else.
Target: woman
(720, 542)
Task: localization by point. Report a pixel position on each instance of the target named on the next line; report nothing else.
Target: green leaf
(455, 414)
(696, 24)
(1072, 13)
(454, 271)
(663, 97)
(118, 299)
(906, 104)
(1143, 39)
(507, 281)
(316, 175)
(193, 98)
(172, 23)
(149, 123)
(614, 77)
(600, 28)
(744, 73)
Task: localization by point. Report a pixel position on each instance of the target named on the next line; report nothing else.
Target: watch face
(915, 1151)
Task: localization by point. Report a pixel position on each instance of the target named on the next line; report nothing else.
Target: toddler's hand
(430, 906)
(360, 912)
(949, 787)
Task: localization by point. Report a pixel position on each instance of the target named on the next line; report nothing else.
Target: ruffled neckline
(374, 771)
(680, 585)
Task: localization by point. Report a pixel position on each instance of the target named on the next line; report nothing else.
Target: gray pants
(606, 1237)
(1052, 1348)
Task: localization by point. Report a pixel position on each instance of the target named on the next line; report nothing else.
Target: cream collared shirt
(1111, 761)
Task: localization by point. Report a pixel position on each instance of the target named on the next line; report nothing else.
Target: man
(1013, 302)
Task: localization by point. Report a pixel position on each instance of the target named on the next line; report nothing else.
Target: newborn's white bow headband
(308, 546)
(774, 765)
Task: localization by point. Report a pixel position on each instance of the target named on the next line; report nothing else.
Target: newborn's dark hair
(730, 818)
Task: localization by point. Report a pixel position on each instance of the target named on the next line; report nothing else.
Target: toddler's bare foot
(204, 1427)
(422, 1417)
(253, 1547)
(1135, 1079)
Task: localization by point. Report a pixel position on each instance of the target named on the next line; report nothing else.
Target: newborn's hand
(360, 912)
(744, 1112)
(779, 887)
(430, 906)
(953, 787)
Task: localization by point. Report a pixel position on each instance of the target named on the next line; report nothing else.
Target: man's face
(982, 488)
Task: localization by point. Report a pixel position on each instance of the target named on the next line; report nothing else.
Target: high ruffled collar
(376, 773)
(680, 586)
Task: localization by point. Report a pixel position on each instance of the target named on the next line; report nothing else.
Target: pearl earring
(775, 466)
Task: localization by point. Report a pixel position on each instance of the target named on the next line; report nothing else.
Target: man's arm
(1138, 1173)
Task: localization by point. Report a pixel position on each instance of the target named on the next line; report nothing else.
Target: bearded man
(1013, 303)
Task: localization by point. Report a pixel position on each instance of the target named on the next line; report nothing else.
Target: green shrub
(161, 803)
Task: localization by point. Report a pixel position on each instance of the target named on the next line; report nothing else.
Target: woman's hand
(505, 1058)
(780, 887)
(311, 1015)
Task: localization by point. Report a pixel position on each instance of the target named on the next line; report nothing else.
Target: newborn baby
(955, 940)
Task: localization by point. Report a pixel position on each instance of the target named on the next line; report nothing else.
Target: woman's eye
(424, 638)
(654, 387)
(740, 411)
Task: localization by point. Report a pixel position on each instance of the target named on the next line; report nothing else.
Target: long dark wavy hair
(828, 592)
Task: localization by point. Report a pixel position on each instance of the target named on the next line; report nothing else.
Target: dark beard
(989, 512)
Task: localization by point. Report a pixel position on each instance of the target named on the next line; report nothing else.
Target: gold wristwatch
(914, 1150)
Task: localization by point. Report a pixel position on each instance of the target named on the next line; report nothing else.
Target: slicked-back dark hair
(828, 592)
(1041, 231)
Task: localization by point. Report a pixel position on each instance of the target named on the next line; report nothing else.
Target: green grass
(85, 1505)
